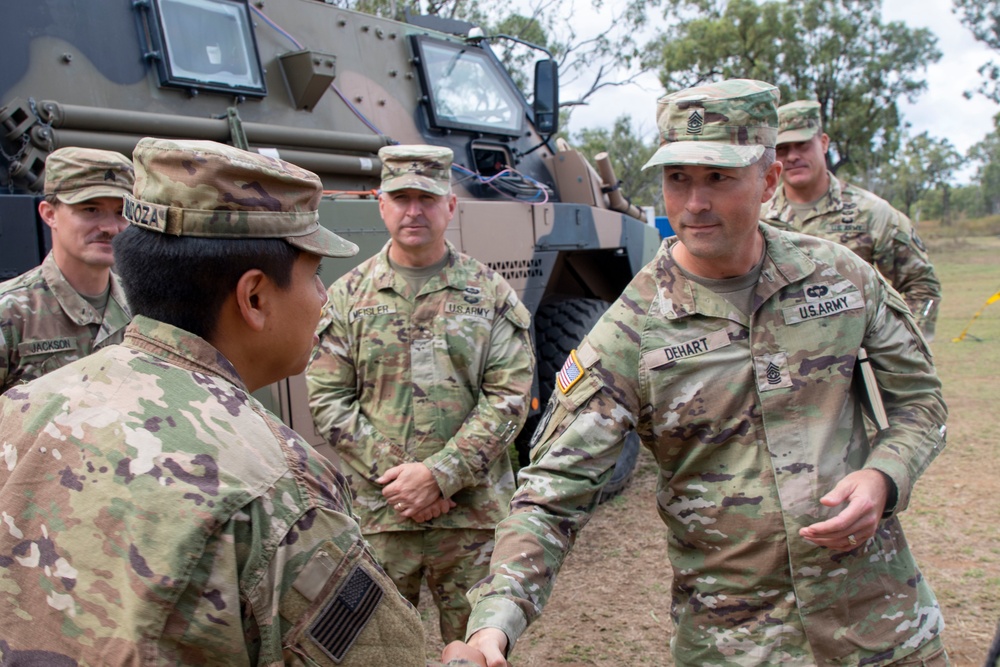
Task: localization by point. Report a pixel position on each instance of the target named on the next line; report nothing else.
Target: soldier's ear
(47, 212)
(771, 178)
(254, 292)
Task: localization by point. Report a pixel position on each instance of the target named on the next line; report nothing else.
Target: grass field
(954, 519)
(611, 602)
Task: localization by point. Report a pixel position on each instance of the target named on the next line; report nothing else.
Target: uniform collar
(779, 209)
(384, 277)
(75, 306)
(180, 348)
(679, 297)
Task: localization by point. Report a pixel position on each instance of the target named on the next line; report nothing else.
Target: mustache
(100, 237)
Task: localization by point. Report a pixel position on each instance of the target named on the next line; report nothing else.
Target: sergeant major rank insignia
(571, 373)
(695, 122)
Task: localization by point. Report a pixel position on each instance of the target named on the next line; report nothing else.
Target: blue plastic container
(663, 226)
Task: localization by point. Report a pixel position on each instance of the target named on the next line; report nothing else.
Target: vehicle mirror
(546, 103)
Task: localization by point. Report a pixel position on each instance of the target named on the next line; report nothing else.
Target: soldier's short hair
(184, 280)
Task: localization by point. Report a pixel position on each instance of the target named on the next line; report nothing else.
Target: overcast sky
(942, 111)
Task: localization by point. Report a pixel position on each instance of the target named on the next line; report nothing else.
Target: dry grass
(954, 519)
(962, 229)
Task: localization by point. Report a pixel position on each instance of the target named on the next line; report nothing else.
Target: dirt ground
(611, 601)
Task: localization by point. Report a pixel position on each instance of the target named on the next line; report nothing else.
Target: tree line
(838, 52)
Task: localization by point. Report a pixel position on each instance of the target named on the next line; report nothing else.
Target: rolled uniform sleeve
(911, 391)
(332, 385)
(500, 411)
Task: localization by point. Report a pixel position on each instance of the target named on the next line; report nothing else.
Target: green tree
(966, 200)
(986, 155)
(924, 164)
(628, 150)
(838, 52)
(982, 17)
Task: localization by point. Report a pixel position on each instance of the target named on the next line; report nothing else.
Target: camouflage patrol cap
(724, 124)
(76, 174)
(211, 190)
(798, 121)
(420, 167)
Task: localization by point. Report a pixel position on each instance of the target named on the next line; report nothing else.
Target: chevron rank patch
(571, 373)
(339, 625)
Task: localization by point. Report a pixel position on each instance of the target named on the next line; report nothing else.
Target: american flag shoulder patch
(571, 373)
(340, 623)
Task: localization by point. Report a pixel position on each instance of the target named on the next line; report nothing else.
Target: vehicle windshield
(467, 91)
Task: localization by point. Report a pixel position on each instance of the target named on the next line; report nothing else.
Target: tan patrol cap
(416, 166)
(211, 190)
(76, 174)
(724, 124)
(798, 121)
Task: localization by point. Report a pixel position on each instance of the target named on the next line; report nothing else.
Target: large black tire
(559, 328)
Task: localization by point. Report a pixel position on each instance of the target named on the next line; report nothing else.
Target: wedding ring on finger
(401, 507)
(853, 541)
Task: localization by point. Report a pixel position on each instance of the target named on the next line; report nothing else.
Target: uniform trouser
(452, 560)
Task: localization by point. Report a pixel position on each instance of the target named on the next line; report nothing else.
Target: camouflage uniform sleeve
(911, 391)
(502, 407)
(323, 600)
(331, 382)
(9, 338)
(574, 450)
(901, 257)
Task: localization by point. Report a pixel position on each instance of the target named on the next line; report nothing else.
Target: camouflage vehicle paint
(332, 88)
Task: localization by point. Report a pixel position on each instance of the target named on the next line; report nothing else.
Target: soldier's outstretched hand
(460, 653)
(492, 642)
(865, 492)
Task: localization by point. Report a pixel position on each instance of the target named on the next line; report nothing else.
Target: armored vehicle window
(205, 44)
(466, 89)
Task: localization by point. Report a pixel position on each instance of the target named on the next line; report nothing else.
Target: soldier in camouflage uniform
(732, 355)
(154, 511)
(813, 201)
(420, 382)
(72, 304)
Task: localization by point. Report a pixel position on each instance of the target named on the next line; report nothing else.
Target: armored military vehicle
(325, 88)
